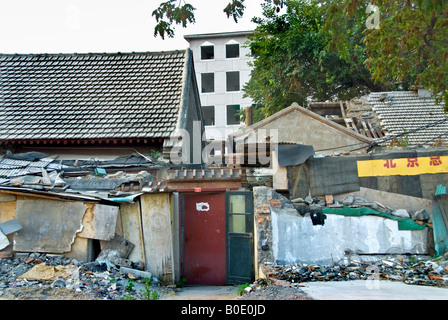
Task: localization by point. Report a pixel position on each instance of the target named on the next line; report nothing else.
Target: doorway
(204, 238)
(240, 239)
(217, 243)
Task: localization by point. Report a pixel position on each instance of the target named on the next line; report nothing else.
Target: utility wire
(391, 137)
(388, 138)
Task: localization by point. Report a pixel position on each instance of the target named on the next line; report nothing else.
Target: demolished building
(213, 225)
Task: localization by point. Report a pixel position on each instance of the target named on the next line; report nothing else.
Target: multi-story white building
(221, 65)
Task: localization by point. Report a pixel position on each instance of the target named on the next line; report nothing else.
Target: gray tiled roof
(400, 111)
(90, 96)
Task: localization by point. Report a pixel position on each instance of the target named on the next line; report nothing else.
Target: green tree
(406, 47)
(172, 12)
(180, 12)
(408, 44)
(293, 62)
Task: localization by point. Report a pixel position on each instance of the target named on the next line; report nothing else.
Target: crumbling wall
(284, 235)
(411, 172)
(53, 225)
(157, 235)
(7, 212)
(132, 229)
(422, 170)
(263, 228)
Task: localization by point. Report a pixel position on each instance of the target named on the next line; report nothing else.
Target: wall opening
(233, 116)
(207, 52)
(208, 115)
(232, 50)
(208, 82)
(233, 81)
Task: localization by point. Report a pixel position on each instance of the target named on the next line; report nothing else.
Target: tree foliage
(293, 62)
(324, 49)
(409, 45)
(172, 12)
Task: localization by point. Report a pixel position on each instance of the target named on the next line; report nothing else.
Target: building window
(232, 50)
(207, 52)
(233, 116)
(233, 81)
(208, 115)
(208, 82)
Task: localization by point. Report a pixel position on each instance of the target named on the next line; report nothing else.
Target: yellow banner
(402, 166)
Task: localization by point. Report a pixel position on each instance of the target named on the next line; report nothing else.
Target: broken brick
(263, 209)
(275, 203)
(30, 259)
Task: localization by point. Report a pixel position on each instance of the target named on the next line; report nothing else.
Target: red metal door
(205, 238)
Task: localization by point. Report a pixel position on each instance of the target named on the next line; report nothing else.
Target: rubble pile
(44, 172)
(316, 204)
(408, 269)
(100, 281)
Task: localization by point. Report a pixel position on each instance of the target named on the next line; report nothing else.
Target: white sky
(67, 26)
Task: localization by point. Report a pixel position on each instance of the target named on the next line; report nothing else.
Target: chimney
(249, 116)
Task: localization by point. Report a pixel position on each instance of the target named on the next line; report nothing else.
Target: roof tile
(74, 96)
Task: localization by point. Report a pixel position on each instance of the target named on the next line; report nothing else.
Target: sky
(68, 26)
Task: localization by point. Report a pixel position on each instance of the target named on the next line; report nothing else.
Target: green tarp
(403, 223)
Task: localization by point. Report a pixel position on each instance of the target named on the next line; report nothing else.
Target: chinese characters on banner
(403, 166)
(413, 162)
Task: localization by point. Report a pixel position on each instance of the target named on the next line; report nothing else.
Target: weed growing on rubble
(130, 285)
(181, 283)
(147, 293)
(241, 287)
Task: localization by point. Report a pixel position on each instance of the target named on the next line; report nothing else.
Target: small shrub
(130, 285)
(241, 287)
(147, 292)
(181, 283)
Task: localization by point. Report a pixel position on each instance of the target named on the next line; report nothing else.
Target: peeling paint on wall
(99, 222)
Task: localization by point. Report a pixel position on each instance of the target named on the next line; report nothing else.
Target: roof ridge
(98, 53)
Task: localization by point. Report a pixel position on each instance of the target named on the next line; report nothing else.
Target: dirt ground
(270, 292)
(44, 293)
(276, 292)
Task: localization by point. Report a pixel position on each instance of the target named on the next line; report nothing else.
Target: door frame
(249, 213)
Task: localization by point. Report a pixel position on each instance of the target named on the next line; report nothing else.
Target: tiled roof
(400, 111)
(90, 96)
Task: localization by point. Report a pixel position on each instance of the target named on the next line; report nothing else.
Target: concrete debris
(38, 270)
(136, 273)
(112, 258)
(401, 213)
(408, 269)
(10, 226)
(4, 242)
(309, 204)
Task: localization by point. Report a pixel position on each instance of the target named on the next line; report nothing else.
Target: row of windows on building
(232, 82)
(233, 116)
(232, 51)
